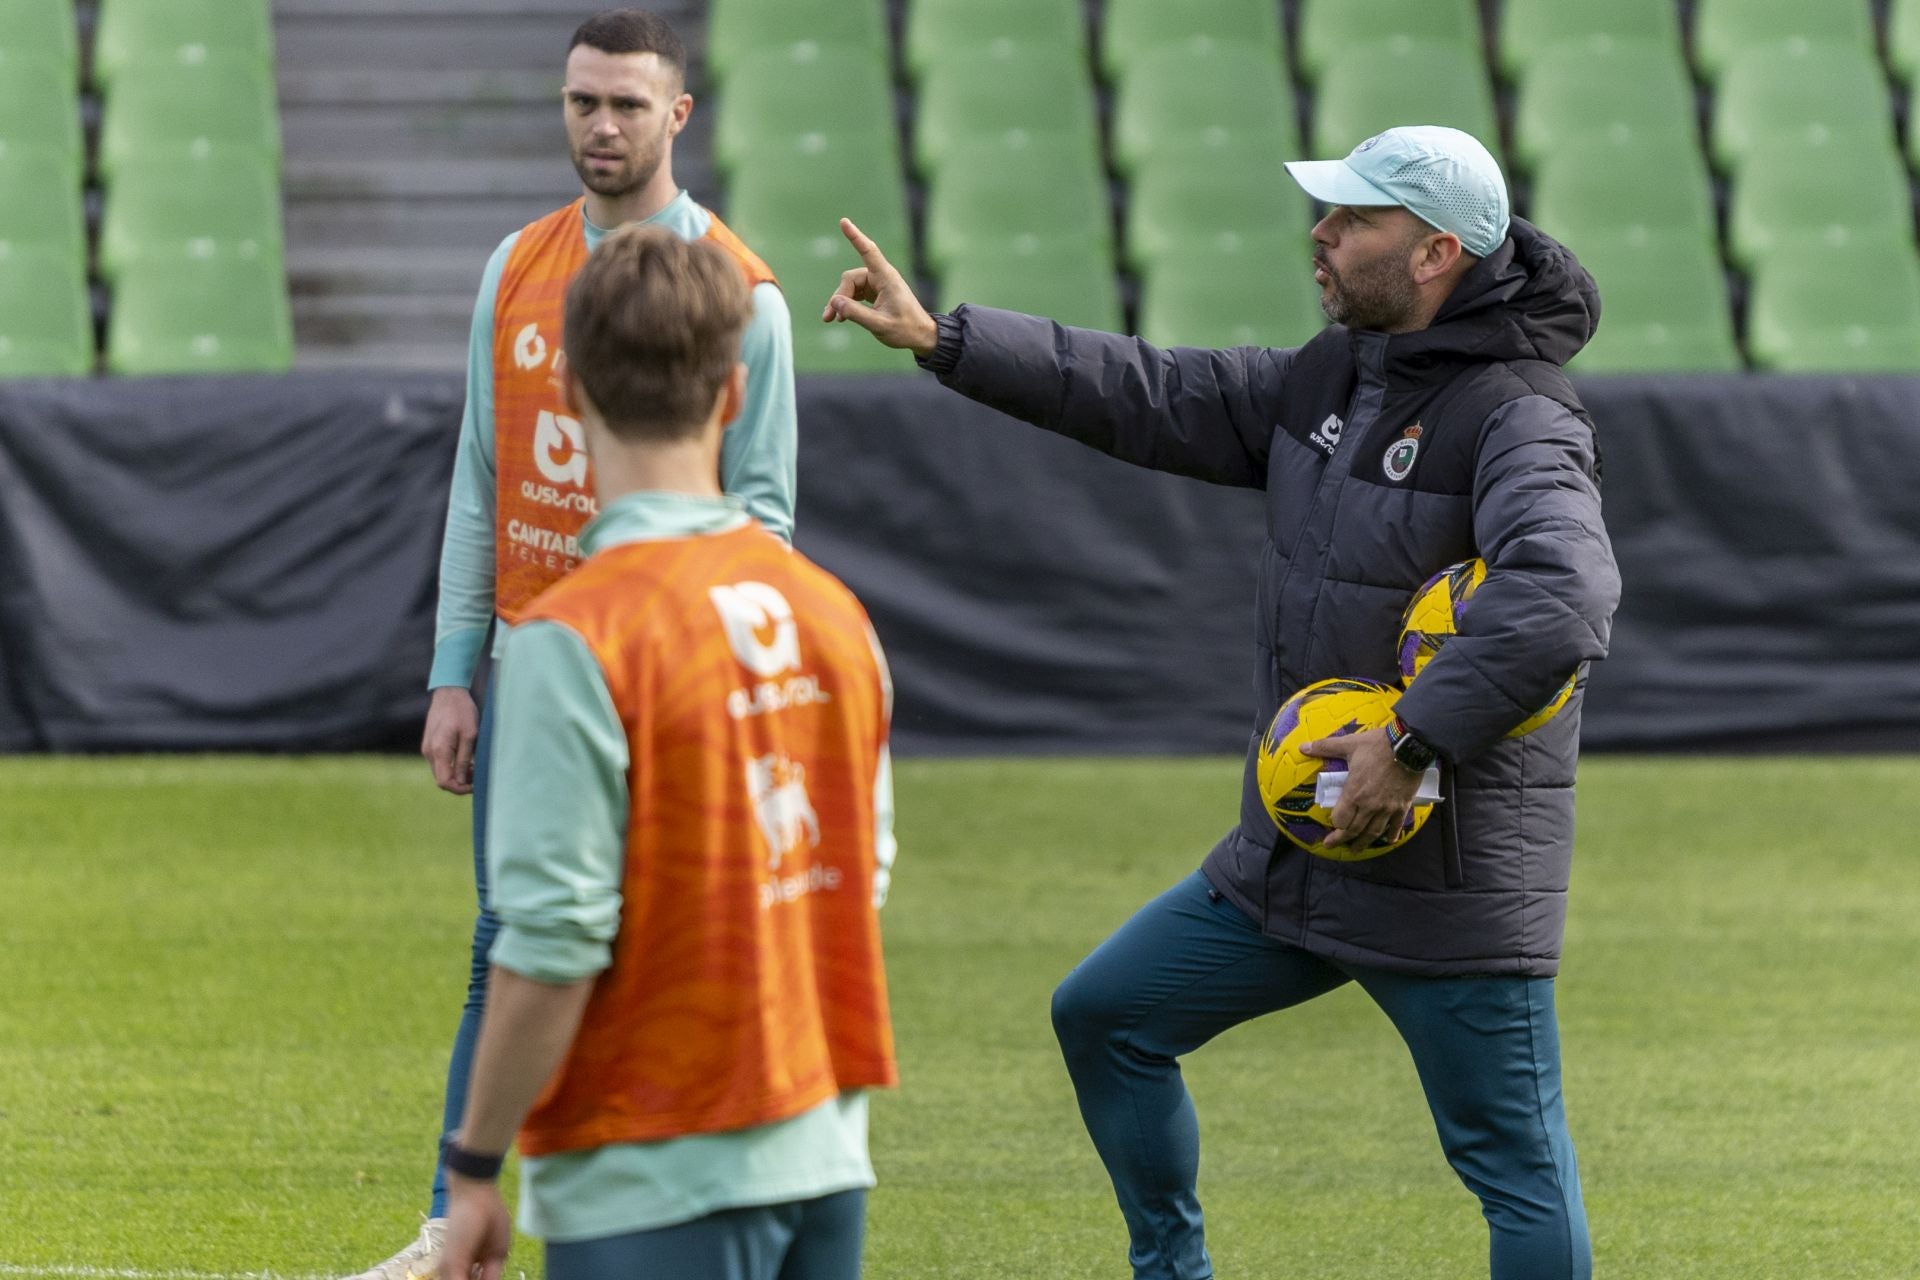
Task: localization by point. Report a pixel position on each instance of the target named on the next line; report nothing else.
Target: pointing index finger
(869, 251)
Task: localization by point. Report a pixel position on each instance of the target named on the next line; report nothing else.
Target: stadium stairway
(418, 133)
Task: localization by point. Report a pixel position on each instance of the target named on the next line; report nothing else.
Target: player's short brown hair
(653, 329)
(632, 31)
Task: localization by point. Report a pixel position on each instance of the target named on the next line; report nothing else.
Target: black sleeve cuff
(946, 347)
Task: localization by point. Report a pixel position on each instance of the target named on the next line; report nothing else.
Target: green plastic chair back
(1793, 198)
(1597, 189)
(784, 197)
(1854, 309)
(40, 207)
(1201, 94)
(190, 31)
(1903, 50)
(779, 97)
(168, 110)
(40, 114)
(1193, 205)
(938, 28)
(1799, 92)
(40, 31)
(1531, 28)
(1134, 30)
(200, 315)
(46, 323)
(987, 198)
(809, 271)
(1068, 287)
(1333, 29)
(1589, 90)
(1371, 89)
(979, 95)
(1663, 306)
(1263, 296)
(737, 28)
(225, 207)
(1725, 29)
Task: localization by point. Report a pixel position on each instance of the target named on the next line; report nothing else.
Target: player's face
(1363, 263)
(622, 112)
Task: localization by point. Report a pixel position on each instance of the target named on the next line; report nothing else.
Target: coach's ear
(733, 395)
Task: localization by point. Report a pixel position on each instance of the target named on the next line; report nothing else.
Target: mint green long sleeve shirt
(556, 837)
(757, 455)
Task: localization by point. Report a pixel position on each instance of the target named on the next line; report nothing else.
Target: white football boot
(418, 1261)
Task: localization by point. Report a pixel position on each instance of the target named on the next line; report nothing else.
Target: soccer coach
(1430, 422)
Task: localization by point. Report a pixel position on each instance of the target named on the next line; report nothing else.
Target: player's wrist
(463, 1161)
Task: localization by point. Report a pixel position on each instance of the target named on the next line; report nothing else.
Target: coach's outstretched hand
(895, 316)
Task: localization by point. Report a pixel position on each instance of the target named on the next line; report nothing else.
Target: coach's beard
(1373, 295)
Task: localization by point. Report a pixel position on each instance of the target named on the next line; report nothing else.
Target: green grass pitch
(229, 987)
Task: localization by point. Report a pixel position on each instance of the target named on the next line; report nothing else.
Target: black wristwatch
(470, 1164)
(1409, 752)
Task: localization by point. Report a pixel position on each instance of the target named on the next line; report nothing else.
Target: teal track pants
(1189, 965)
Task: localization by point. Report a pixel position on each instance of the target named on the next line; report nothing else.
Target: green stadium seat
(1663, 307)
(989, 198)
(786, 197)
(1849, 310)
(809, 271)
(1202, 95)
(1184, 206)
(738, 28)
(1598, 189)
(1134, 30)
(40, 116)
(1333, 29)
(1725, 29)
(225, 207)
(1810, 93)
(40, 31)
(799, 96)
(1531, 28)
(169, 110)
(1005, 93)
(40, 207)
(1903, 51)
(200, 315)
(1373, 88)
(1071, 288)
(1793, 198)
(1622, 90)
(46, 324)
(937, 29)
(1264, 297)
(190, 31)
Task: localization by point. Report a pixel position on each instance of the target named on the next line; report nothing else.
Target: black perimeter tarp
(249, 564)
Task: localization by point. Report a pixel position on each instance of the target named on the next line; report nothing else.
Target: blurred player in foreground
(1430, 422)
(691, 837)
(521, 486)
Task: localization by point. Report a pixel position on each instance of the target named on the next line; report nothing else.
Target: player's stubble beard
(1378, 294)
(637, 170)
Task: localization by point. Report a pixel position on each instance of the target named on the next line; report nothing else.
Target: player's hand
(479, 1231)
(1379, 791)
(896, 316)
(453, 729)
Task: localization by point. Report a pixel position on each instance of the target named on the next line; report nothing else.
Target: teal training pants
(1189, 965)
(818, 1239)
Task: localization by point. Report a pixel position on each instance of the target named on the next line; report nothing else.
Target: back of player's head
(652, 331)
(632, 31)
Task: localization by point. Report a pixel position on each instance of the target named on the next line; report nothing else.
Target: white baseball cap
(1442, 176)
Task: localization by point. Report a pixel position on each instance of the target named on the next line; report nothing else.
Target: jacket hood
(1530, 299)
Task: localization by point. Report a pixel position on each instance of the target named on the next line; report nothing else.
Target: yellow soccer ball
(1287, 776)
(1436, 612)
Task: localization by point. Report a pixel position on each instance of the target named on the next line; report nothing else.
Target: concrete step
(476, 224)
(374, 320)
(377, 85)
(422, 131)
(319, 272)
(412, 39)
(678, 12)
(340, 177)
(422, 357)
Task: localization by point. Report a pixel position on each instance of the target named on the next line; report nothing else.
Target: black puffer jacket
(1384, 460)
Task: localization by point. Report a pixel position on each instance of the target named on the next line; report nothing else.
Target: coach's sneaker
(418, 1261)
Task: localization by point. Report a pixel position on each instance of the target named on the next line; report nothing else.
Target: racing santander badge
(1402, 452)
